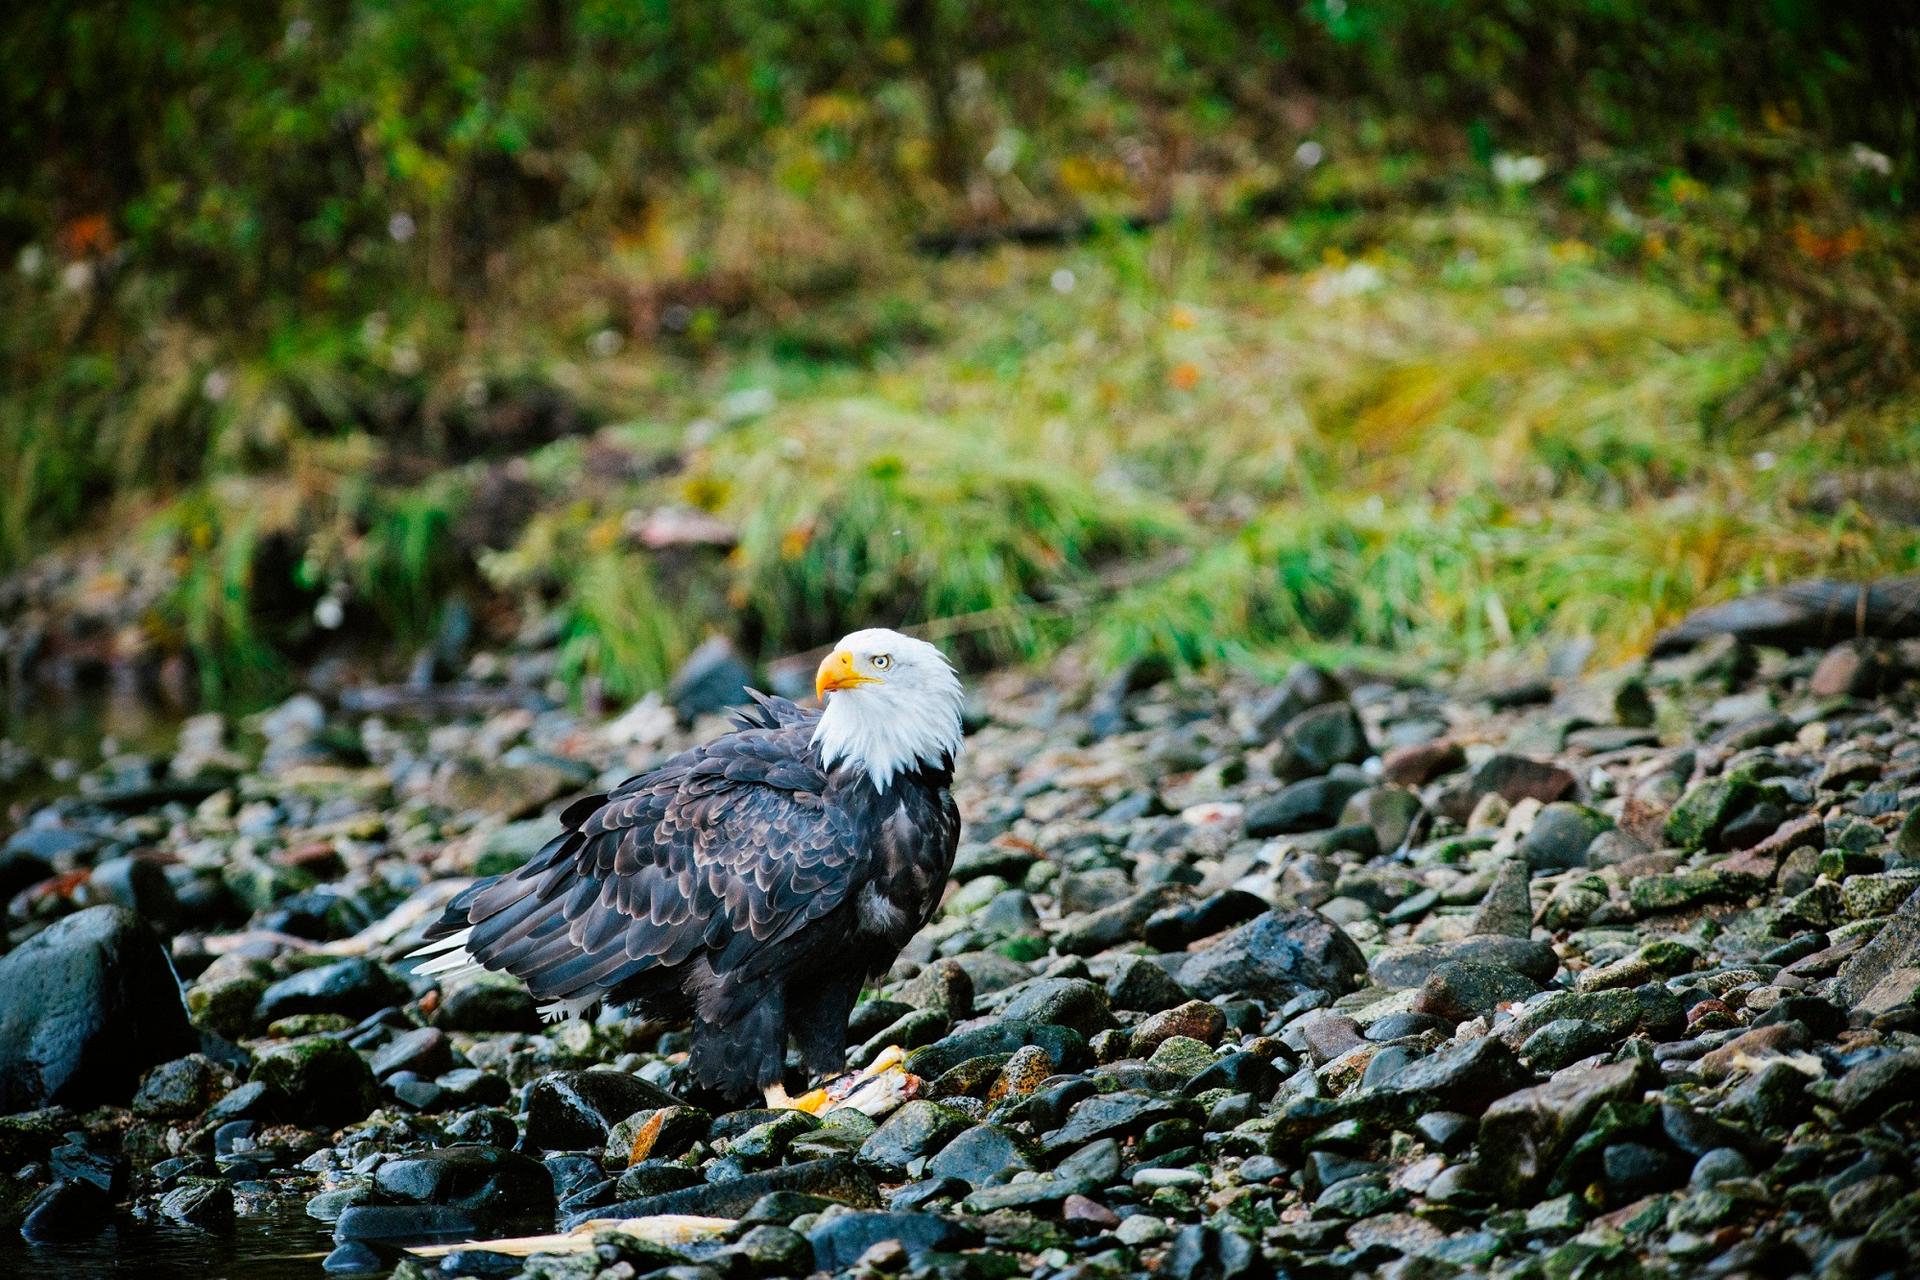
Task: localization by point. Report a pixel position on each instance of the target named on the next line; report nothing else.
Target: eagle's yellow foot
(878, 1087)
(810, 1102)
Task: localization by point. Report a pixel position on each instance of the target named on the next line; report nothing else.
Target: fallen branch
(1814, 611)
(662, 1229)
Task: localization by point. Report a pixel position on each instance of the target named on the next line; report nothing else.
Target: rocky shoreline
(1336, 975)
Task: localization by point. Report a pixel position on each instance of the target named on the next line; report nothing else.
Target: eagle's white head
(892, 703)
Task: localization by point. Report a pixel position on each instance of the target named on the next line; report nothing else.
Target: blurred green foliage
(261, 162)
(364, 254)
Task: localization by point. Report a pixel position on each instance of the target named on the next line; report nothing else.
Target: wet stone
(86, 1006)
(180, 1088)
(425, 1051)
(1321, 737)
(1173, 927)
(70, 1210)
(1565, 1041)
(206, 1204)
(486, 1002)
(1305, 686)
(353, 988)
(1516, 778)
(1181, 1056)
(846, 1239)
(915, 1132)
(1507, 910)
(575, 1110)
(405, 1224)
(1074, 1003)
(1418, 764)
(1141, 985)
(1311, 804)
(1274, 956)
(1524, 1134)
(1041, 1196)
(496, 1187)
(1878, 1083)
(1195, 1019)
(1457, 990)
(983, 1154)
(1120, 1114)
(1410, 965)
(1064, 1048)
(1560, 836)
(317, 1079)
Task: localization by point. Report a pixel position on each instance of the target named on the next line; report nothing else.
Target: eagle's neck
(907, 730)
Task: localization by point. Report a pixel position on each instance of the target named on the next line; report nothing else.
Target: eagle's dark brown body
(740, 884)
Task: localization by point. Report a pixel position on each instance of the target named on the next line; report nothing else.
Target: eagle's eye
(881, 662)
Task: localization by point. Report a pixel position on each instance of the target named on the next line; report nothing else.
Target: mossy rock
(1708, 807)
(225, 1006)
(316, 1080)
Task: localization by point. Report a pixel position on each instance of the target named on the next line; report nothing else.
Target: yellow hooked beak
(836, 672)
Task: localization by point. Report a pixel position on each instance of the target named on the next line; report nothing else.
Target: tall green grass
(1439, 433)
(850, 510)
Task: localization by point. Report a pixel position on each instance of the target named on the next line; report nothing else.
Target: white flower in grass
(1518, 171)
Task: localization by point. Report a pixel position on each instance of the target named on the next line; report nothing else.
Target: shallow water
(278, 1241)
(74, 732)
(280, 1244)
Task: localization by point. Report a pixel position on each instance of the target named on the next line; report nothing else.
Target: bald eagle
(752, 884)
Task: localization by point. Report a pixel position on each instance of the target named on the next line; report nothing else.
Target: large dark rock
(984, 1153)
(1458, 990)
(1524, 1135)
(575, 1110)
(1560, 835)
(487, 1002)
(840, 1242)
(1885, 973)
(1275, 956)
(1462, 1078)
(315, 1080)
(75, 1209)
(405, 1223)
(1141, 985)
(138, 884)
(1202, 1252)
(1114, 1115)
(86, 1006)
(497, 1187)
(1305, 686)
(1319, 738)
(1511, 777)
(425, 1051)
(354, 988)
(712, 679)
(1067, 1048)
(1867, 1089)
(914, 1132)
(1507, 910)
(1310, 804)
(1172, 928)
(1410, 964)
(180, 1088)
(204, 1203)
(1065, 1002)
(1118, 922)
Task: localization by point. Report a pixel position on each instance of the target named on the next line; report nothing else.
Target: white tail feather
(449, 956)
(559, 1010)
